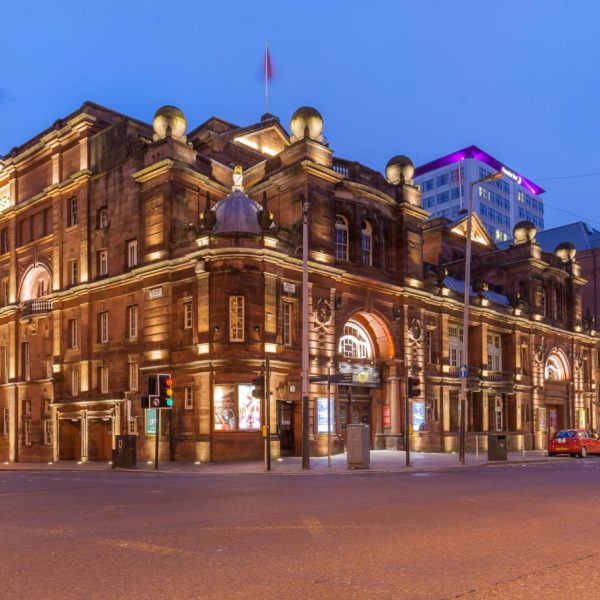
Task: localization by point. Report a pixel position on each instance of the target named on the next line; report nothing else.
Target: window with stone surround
(47, 432)
(103, 380)
(73, 333)
(71, 212)
(102, 262)
(455, 350)
(102, 329)
(132, 253)
(341, 237)
(188, 319)
(189, 397)
(133, 376)
(132, 322)
(73, 272)
(494, 352)
(236, 318)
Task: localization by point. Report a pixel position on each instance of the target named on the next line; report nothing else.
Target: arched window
(554, 370)
(366, 243)
(355, 342)
(341, 237)
(36, 283)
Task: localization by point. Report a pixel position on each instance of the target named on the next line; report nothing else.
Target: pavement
(383, 461)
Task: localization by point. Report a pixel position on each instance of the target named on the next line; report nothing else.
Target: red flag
(268, 66)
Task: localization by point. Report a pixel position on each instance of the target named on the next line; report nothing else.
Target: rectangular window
(341, 240)
(5, 292)
(494, 350)
(132, 322)
(27, 407)
(73, 272)
(236, 318)
(5, 421)
(428, 185)
(47, 432)
(132, 253)
(442, 179)
(73, 333)
(4, 241)
(102, 333)
(443, 197)
(455, 339)
(102, 218)
(429, 346)
(103, 380)
(133, 376)
(74, 381)
(189, 397)
(187, 315)
(102, 262)
(27, 432)
(72, 212)
(287, 323)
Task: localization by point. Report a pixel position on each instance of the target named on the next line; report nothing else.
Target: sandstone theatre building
(129, 249)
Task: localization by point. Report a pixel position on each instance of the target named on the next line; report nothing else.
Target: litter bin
(358, 446)
(124, 456)
(497, 446)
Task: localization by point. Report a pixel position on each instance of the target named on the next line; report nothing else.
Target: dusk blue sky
(423, 77)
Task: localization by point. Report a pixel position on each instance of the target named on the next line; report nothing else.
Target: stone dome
(307, 116)
(237, 213)
(169, 120)
(566, 251)
(524, 231)
(399, 169)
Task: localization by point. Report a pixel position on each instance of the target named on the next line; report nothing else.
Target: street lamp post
(305, 406)
(465, 344)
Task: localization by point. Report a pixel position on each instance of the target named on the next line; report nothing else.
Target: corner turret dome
(169, 121)
(524, 231)
(399, 169)
(237, 213)
(303, 118)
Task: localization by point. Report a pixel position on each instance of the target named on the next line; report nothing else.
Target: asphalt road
(523, 531)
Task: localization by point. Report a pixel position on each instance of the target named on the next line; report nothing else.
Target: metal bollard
(477, 448)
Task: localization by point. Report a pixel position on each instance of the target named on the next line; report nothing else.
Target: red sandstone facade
(124, 252)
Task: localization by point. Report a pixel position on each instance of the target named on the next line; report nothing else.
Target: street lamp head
(493, 176)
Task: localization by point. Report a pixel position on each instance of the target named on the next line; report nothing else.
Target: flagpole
(266, 77)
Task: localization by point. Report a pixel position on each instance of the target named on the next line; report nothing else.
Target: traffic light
(259, 387)
(413, 387)
(165, 390)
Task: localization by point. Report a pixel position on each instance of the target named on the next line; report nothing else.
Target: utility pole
(305, 397)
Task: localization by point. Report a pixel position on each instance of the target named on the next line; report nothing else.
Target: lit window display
(322, 415)
(224, 404)
(235, 409)
(248, 408)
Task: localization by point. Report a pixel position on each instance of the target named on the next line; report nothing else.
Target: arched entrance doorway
(364, 345)
(556, 375)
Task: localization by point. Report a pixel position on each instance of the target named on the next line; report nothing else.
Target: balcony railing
(36, 307)
(361, 174)
(497, 376)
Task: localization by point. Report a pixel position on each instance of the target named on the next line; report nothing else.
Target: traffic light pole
(156, 448)
(406, 427)
(268, 413)
(305, 397)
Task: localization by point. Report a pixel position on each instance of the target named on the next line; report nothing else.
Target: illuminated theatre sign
(511, 175)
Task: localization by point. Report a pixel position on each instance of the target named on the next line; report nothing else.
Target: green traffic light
(169, 402)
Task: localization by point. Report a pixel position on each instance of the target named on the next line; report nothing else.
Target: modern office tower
(501, 204)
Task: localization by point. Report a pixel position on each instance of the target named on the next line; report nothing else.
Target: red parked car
(576, 442)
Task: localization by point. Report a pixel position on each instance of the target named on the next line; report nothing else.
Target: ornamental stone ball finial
(307, 122)
(399, 169)
(169, 121)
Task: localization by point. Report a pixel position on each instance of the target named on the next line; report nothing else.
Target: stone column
(395, 405)
(55, 434)
(84, 436)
